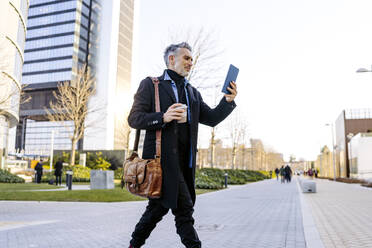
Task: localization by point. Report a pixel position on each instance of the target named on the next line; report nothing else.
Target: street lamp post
(333, 152)
(51, 152)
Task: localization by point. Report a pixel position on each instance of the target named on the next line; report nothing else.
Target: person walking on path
(310, 173)
(58, 172)
(277, 173)
(39, 172)
(179, 141)
(288, 173)
(282, 174)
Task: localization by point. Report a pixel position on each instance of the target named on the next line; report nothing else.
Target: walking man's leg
(183, 218)
(153, 214)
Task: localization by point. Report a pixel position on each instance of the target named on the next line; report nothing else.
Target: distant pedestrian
(288, 173)
(39, 172)
(282, 174)
(316, 173)
(58, 172)
(277, 173)
(310, 173)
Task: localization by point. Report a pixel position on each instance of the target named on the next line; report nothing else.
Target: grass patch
(203, 191)
(21, 192)
(98, 195)
(5, 187)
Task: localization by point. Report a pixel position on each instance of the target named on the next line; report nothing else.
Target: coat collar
(165, 81)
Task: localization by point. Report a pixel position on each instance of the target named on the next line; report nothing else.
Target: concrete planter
(101, 179)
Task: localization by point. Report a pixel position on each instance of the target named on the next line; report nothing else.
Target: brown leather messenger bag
(143, 177)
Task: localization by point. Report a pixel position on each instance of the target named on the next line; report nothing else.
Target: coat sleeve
(142, 114)
(211, 117)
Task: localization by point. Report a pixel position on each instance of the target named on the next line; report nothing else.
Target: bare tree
(207, 66)
(238, 134)
(71, 104)
(122, 137)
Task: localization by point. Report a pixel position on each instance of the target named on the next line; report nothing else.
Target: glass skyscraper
(62, 35)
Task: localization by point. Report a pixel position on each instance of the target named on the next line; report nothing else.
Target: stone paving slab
(262, 214)
(342, 213)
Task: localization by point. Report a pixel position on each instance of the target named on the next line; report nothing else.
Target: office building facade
(348, 124)
(62, 36)
(13, 15)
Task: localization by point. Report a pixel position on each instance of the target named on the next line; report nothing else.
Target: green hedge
(7, 177)
(80, 174)
(208, 178)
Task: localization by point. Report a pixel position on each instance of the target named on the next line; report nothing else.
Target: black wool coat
(143, 116)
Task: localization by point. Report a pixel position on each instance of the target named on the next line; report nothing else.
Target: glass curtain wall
(61, 37)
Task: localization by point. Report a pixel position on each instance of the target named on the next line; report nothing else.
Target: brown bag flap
(134, 170)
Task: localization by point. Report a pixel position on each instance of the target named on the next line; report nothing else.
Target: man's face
(181, 62)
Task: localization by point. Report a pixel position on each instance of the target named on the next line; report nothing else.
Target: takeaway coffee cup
(184, 116)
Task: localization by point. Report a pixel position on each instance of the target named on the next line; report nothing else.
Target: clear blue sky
(297, 60)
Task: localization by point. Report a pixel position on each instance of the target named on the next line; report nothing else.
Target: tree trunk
(212, 147)
(72, 157)
(233, 157)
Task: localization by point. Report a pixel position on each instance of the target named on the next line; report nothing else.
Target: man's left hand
(233, 90)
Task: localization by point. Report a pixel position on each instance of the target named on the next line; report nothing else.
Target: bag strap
(155, 81)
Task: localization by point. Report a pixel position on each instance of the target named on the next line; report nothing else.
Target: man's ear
(171, 59)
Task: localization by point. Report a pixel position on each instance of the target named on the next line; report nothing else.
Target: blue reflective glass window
(33, 2)
(83, 32)
(85, 9)
(45, 9)
(47, 65)
(51, 19)
(49, 77)
(40, 32)
(84, 21)
(82, 43)
(50, 53)
(54, 41)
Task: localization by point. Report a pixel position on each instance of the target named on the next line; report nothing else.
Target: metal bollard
(69, 179)
(226, 179)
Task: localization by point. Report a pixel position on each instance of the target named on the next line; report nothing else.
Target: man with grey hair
(178, 141)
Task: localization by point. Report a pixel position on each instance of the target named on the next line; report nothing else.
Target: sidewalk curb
(312, 237)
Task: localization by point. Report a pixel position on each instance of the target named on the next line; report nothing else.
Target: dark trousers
(183, 218)
(38, 177)
(58, 179)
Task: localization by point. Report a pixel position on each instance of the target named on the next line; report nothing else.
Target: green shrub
(208, 178)
(203, 181)
(96, 161)
(118, 173)
(7, 177)
(80, 174)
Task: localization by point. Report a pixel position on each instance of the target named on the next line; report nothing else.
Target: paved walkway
(262, 214)
(342, 213)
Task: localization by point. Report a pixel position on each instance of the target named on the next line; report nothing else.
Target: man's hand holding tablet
(229, 87)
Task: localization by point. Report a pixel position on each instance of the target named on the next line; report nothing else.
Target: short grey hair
(172, 49)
